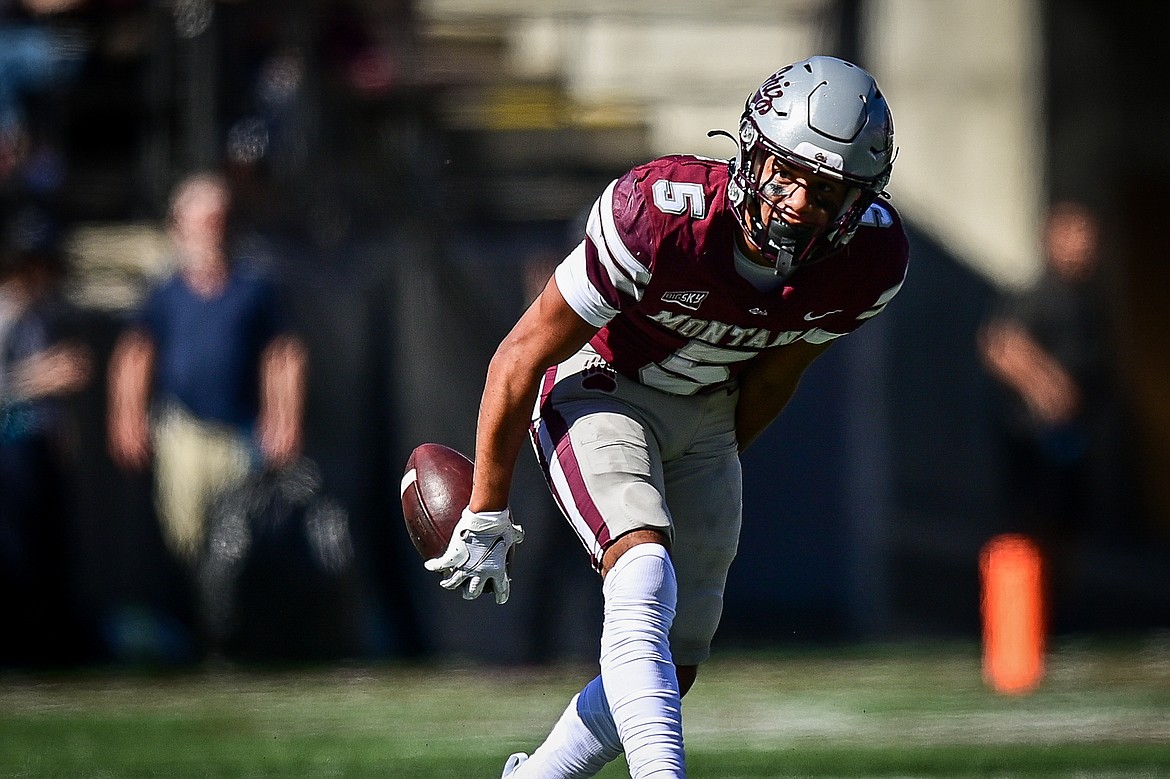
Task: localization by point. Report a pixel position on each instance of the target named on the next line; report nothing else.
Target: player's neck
(763, 277)
(750, 251)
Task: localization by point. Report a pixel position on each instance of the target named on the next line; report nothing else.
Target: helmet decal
(764, 100)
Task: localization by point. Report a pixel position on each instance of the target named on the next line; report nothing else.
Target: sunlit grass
(870, 712)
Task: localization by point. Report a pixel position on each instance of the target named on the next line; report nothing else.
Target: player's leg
(637, 669)
(704, 494)
(705, 491)
(585, 739)
(581, 743)
(705, 549)
(634, 705)
(605, 472)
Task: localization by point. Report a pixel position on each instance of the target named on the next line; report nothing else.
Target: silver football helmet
(824, 116)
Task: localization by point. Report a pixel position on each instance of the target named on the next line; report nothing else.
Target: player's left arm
(767, 384)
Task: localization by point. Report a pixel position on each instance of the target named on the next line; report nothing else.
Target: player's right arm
(548, 332)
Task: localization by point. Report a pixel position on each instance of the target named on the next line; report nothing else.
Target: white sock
(582, 742)
(636, 669)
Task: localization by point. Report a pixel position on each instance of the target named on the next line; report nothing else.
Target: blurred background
(409, 171)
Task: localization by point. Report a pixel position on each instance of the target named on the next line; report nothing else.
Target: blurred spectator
(207, 382)
(1052, 348)
(38, 368)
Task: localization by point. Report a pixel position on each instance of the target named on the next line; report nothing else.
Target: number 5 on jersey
(678, 197)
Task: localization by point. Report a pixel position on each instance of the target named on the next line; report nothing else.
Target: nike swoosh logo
(810, 317)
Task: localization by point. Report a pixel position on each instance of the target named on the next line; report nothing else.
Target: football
(435, 489)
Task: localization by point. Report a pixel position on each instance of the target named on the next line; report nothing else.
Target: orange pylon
(1012, 607)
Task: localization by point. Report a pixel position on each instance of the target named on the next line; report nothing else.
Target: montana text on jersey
(656, 272)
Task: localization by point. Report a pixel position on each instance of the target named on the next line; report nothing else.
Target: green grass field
(890, 712)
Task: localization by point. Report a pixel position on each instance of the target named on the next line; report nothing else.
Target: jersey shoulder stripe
(604, 233)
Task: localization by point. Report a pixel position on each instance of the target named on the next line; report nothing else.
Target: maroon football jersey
(656, 272)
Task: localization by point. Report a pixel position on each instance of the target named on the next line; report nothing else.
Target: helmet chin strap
(786, 242)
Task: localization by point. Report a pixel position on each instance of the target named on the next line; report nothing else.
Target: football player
(661, 348)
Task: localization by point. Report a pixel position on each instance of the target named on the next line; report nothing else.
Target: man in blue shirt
(207, 379)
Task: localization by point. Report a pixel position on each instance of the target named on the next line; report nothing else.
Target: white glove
(478, 553)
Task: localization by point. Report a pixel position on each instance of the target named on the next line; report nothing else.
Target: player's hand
(478, 553)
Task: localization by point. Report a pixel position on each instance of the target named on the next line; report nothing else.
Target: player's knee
(630, 540)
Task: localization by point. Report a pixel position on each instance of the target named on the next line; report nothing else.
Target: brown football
(435, 489)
